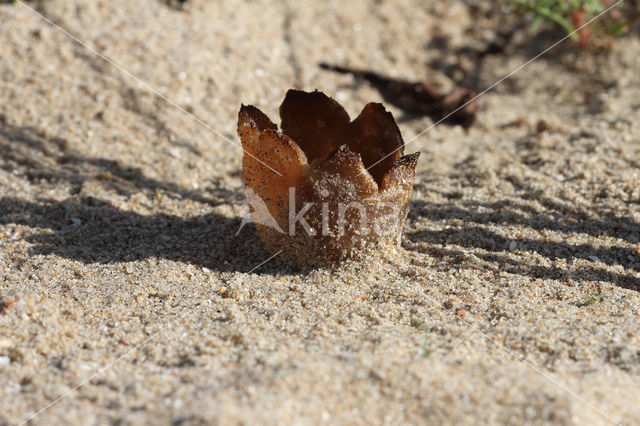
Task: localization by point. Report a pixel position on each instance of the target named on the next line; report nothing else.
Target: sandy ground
(514, 298)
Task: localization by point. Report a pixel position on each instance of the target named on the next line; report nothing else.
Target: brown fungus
(341, 188)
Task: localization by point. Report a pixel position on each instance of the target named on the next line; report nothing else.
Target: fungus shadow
(89, 229)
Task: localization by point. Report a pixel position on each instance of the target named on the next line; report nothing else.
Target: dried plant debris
(180, 4)
(419, 98)
(344, 186)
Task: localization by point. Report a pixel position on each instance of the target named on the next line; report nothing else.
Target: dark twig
(418, 98)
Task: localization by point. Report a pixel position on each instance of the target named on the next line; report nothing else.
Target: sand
(513, 299)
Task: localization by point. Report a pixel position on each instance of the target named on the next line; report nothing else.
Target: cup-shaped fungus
(325, 188)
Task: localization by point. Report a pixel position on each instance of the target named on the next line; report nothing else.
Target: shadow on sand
(493, 249)
(93, 230)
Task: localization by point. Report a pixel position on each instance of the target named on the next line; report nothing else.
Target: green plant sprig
(571, 15)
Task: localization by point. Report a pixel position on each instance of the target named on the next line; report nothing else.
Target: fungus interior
(321, 126)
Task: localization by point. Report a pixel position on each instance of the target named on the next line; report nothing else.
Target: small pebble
(5, 360)
(542, 126)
